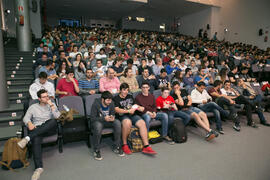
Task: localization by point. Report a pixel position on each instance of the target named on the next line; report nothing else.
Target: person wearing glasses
(40, 121)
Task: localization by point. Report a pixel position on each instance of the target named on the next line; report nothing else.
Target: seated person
(49, 70)
(68, 86)
(144, 66)
(61, 71)
(193, 67)
(151, 79)
(42, 83)
(233, 74)
(163, 79)
(203, 100)
(188, 79)
(165, 103)
(172, 67)
(223, 100)
(45, 51)
(125, 109)
(130, 79)
(178, 76)
(63, 58)
(38, 119)
(245, 89)
(203, 76)
(157, 67)
(109, 82)
(245, 76)
(103, 116)
(41, 62)
(184, 103)
(147, 100)
(80, 70)
(132, 66)
(99, 69)
(88, 85)
(117, 67)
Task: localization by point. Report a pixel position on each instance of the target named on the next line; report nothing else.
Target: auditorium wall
(242, 18)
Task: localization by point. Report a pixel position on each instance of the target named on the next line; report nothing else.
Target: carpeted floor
(233, 156)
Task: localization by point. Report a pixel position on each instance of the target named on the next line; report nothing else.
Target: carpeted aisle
(233, 156)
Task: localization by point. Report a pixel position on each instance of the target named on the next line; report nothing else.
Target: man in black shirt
(125, 109)
(163, 79)
(184, 102)
(233, 75)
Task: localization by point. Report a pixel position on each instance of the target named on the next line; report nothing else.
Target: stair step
(9, 132)
(18, 92)
(19, 72)
(10, 118)
(20, 68)
(13, 110)
(19, 78)
(18, 100)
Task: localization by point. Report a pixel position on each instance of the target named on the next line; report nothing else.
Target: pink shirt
(63, 85)
(106, 84)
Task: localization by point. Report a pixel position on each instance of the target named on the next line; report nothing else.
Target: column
(23, 28)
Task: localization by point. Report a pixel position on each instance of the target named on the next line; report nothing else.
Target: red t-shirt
(160, 101)
(63, 85)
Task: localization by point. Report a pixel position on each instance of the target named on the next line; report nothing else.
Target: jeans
(179, 114)
(225, 102)
(36, 137)
(161, 116)
(217, 110)
(248, 106)
(97, 127)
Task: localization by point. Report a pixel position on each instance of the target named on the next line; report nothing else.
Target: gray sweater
(40, 114)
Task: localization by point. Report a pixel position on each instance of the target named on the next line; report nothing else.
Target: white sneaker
(22, 143)
(37, 173)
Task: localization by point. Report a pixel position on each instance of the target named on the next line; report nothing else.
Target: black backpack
(178, 131)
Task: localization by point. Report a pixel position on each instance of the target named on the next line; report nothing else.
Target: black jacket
(96, 114)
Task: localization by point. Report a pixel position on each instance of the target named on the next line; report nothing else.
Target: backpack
(134, 140)
(154, 137)
(13, 156)
(178, 131)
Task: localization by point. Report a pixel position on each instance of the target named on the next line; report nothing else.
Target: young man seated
(39, 122)
(42, 83)
(88, 85)
(103, 116)
(147, 100)
(125, 109)
(225, 101)
(165, 103)
(163, 79)
(238, 98)
(203, 100)
(68, 86)
(184, 103)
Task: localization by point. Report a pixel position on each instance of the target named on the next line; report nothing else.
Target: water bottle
(66, 108)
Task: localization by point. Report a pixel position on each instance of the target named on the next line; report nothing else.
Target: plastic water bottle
(66, 108)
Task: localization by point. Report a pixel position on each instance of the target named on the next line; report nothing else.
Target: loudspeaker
(208, 26)
(260, 32)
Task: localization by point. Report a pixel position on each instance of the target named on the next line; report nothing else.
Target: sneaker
(118, 151)
(209, 136)
(22, 143)
(37, 173)
(97, 155)
(126, 149)
(237, 127)
(220, 131)
(168, 140)
(148, 150)
(265, 124)
(252, 124)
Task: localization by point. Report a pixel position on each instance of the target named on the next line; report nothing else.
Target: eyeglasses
(145, 87)
(45, 97)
